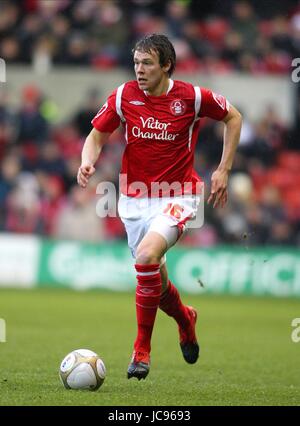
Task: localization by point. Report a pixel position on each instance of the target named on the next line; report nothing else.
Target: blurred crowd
(39, 162)
(39, 157)
(255, 36)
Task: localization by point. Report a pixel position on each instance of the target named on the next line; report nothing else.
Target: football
(82, 369)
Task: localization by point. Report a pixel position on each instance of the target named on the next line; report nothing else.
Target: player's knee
(147, 256)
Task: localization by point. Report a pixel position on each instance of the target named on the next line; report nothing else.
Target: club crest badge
(178, 107)
(220, 100)
(102, 109)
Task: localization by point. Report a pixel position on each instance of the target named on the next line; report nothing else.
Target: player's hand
(218, 193)
(84, 174)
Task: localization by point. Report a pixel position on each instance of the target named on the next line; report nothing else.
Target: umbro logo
(146, 290)
(137, 103)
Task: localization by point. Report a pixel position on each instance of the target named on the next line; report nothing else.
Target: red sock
(147, 299)
(171, 304)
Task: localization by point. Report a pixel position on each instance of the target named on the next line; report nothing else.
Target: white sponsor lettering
(153, 124)
(165, 136)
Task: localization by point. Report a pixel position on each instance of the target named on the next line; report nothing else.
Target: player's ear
(166, 67)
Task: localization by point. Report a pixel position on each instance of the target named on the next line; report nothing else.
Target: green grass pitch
(247, 355)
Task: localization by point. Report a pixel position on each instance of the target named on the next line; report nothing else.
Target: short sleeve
(107, 120)
(213, 105)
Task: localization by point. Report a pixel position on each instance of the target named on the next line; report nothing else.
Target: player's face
(149, 73)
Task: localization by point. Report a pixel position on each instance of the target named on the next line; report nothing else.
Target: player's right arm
(90, 153)
(104, 123)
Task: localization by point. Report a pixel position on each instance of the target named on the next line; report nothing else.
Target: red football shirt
(161, 134)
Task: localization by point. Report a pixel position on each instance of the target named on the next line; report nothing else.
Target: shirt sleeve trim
(197, 100)
(119, 102)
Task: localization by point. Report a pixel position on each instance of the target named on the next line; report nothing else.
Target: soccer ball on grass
(82, 369)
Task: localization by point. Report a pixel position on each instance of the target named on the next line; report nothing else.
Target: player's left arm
(219, 179)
